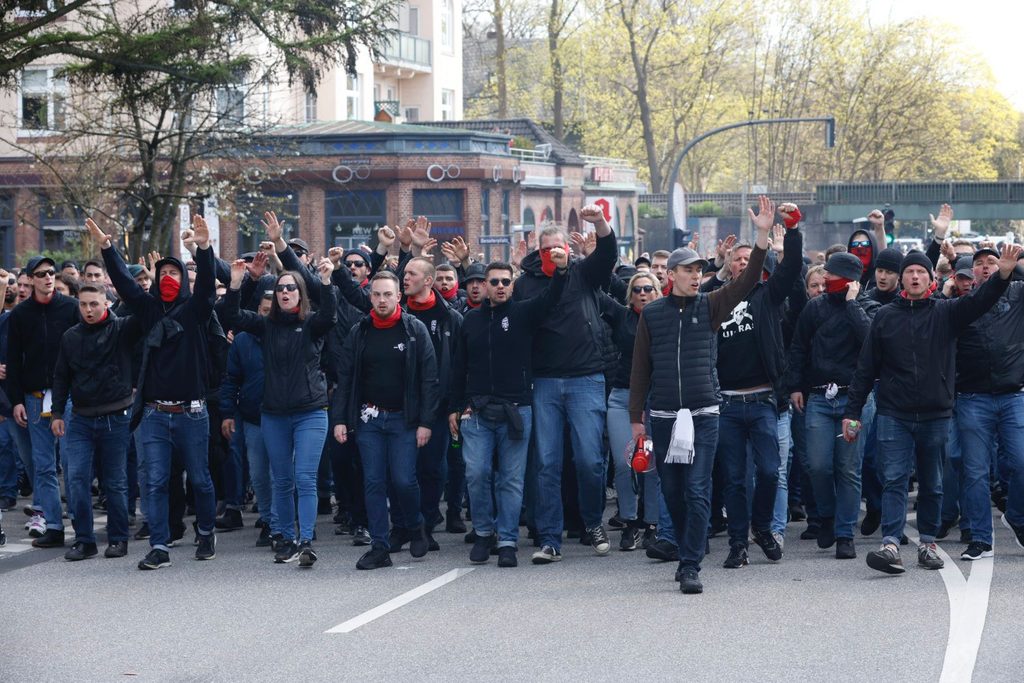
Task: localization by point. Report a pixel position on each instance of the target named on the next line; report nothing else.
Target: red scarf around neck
(386, 323)
(425, 306)
(450, 294)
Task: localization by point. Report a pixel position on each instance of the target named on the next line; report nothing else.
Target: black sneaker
(546, 555)
(397, 538)
(689, 583)
(650, 536)
(719, 525)
(827, 533)
(886, 559)
(928, 556)
(976, 550)
(307, 556)
(797, 513)
(470, 538)
(453, 524)
(156, 559)
(231, 520)
(374, 558)
(275, 542)
(7, 503)
(872, 520)
(904, 540)
(80, 551)
(767, 542)
(264, 539)
(418, 543)
(361, 536)
(432, 545)
(51, 538)
(143, 533)
(737, 558)
(481, 551)
(207, 548)
(811, 532)
(507, 556)
(944, 528)
(630, 538)
(116, 549)
(965, 536)
(663, 550)
(617, 522)
(845, 549)
(287, 551)
(599, 540)
(1018, 531)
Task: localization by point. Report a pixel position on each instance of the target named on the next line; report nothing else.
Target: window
(485, 212)
(506, 210)
(310, 106)
(353, 217)
(447, 105)
(29, 8)
(182, 5)
(43, 97)
(413, 26)
(529, 221)
(230, 104)
(391, 93)
(444, 209)
(249, 208)
(351, 96)
(7, 231)
(376, 91)
(61, 225)
(412, 114)
(447, 24)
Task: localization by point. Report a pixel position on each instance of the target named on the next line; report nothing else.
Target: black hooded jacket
(33, 342)
(176, 350)
(990, 354)
(867, 279)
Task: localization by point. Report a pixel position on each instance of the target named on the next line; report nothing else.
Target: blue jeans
(834, 465)
(980, 419)
(578, 401)
(483, 442)
(8, 463)
(232, 471)
(798, 431)
(952, 473)
(44, 464)
(620, 438)
(23, 447)
(389, 453)
(902, 444)
(780, 516)
(687, 488)
(740, 424)
(162, 436)
(106, 438)
(871, 484)
(430, 471)
(294, 443)
(259, 471)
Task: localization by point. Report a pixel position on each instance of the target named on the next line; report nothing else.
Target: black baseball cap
(36, 261)
(297, 243)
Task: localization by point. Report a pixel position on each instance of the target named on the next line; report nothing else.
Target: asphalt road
(240, 617)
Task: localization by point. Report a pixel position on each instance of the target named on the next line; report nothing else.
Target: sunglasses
(40, 274)
(646, 289)
(286, 288)
(504, 281)
(356, 264)
(298, 252)
(860, 244)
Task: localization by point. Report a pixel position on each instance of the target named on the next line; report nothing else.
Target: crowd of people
(729, 394)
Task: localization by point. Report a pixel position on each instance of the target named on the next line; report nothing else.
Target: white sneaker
(36, 526)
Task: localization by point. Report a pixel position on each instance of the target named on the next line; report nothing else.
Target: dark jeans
(388, 449)
(687, 488)
(902, 444)
(231, 470)
(347, 470)
(455, 486)
(106, 438)
(430, 462)
(755, 423)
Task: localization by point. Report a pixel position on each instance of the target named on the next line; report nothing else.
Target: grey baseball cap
(965, 266)
(684, 257)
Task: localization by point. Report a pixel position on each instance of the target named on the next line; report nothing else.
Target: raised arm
(350, 289)
(205, 294)
(597, 267)
(787, 270)
(723, 300)
(235, 318)
(538, 307)
(327, 315)
(967, 309)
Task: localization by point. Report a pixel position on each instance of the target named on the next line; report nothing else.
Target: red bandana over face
(169, 288)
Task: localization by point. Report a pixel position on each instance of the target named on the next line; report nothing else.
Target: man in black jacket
(173, 384)
(492, 393)
(568, 368)
(822, 359)
(35, 329)
(387, 397)
(910, 349)
(95, 368)
(751, 358)
(990, 403)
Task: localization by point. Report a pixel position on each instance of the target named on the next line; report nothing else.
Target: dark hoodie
(176, 351)
(867, 279)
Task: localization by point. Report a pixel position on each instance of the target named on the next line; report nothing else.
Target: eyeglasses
(859, 243)
(356, 264)
(504, 281)
(286, 288)
(40, 274)
(646, 289)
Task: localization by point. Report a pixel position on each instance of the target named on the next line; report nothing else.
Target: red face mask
(864, 254)
(836, 286)
(169, 288)
(546, 264)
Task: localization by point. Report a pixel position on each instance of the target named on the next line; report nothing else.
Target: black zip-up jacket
(570, 342)
(911, 350)
(623, 320)
(829, 335)
(422, 394)
(33, 342)
(293, 381)
(883, 298)
(445, 338)
(494, 349)
(95, 364)
(990, 354)
(177, 349)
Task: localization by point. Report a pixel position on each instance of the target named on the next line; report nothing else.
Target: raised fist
(559, 257)
(592, 213)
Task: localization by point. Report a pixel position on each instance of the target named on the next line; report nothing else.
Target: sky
(991, 27)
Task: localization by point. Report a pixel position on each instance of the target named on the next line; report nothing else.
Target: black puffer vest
(684, 353)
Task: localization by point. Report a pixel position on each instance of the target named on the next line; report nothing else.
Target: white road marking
(395, 603)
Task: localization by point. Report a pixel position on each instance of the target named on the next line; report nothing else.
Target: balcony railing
(408, 49)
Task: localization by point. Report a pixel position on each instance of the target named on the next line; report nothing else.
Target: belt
(38, 394)
(824, 387)
(177, 408)
(755, 397)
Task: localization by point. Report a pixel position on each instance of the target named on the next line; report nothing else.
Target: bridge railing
(1007, 191)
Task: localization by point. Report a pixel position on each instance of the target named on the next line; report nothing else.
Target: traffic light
(890, 226)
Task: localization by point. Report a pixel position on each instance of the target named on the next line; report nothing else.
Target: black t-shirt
(383, 373)
(739, 362)
(433, 318)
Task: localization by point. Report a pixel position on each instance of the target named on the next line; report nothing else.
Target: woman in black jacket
(294, 420)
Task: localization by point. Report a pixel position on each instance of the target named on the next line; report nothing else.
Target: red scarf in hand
(386, 323)
(425, 306)
(449, 295)
(790, 220)
(836, 286)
